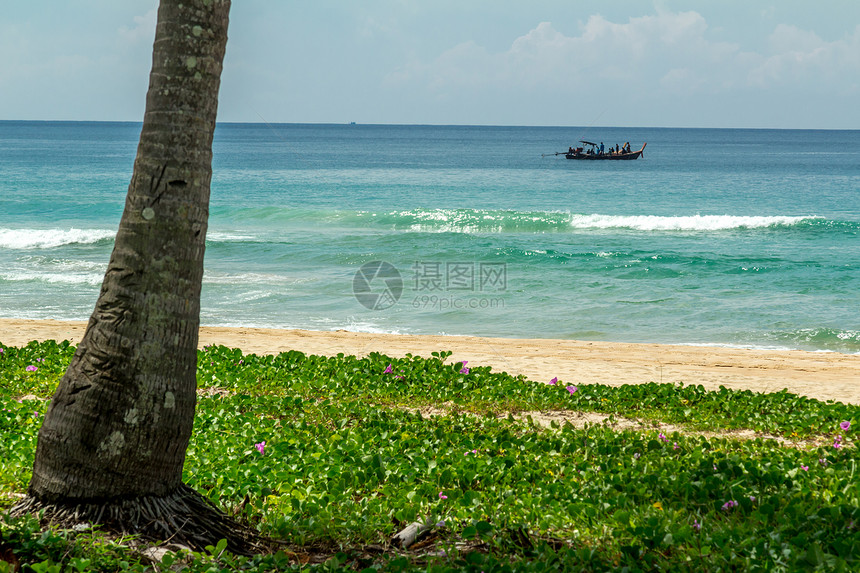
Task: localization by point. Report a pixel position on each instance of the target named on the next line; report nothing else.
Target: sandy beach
(821, 375)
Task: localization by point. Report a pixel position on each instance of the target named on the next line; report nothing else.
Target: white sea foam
(762, 347)
(91, 279)
(228, 237)
(354, 325)
(223, 278)
(682, 223)
(49, 238)
(48, 263)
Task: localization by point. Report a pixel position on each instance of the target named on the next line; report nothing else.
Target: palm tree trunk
(114, 438)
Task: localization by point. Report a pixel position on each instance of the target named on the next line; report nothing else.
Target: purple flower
(31, 368)
(572, 389)
(388, 370)
(752, 498)
(675, 446)
(464, 370)
(804, 468)
(822, 461)
(696, 525)
(554, 381)
(261, 447)
(636, 456)
(729, 504)
(2, 350)
(845, 426)
(442, 495)
(663, 437)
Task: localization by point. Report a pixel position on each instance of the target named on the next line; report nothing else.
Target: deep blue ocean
(716, 236)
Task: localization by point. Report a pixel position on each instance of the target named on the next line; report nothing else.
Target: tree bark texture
(120, 420)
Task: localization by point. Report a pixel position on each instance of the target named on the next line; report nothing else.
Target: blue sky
(716, 63)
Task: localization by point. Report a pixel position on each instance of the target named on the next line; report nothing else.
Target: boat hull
(607, 156)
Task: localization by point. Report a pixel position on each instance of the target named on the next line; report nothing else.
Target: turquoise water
(727, 237)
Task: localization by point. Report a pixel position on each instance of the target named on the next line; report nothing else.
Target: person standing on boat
(601, 148)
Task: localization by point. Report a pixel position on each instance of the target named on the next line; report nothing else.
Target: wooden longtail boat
(593, 154)
(579, 154)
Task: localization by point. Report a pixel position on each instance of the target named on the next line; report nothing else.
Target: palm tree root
(184, 517)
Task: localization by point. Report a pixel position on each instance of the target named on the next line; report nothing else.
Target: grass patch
(321, 454)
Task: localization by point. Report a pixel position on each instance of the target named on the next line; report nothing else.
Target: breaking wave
(51, 238)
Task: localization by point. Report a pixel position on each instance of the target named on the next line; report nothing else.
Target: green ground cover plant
(330, 456)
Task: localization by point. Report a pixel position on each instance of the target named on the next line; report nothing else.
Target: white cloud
(799, 59)
(682, 81)
(644, 49)
(143, 29)
(787, 39)
(666, 53)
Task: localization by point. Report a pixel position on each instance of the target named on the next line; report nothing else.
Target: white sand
(822, 375)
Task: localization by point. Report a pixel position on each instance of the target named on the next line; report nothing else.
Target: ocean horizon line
(438, 125)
